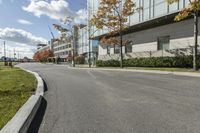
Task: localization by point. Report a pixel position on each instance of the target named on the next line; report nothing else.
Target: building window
(163, 43)
(128, 48)
(108, 49)
(116, 49)
(160, 7)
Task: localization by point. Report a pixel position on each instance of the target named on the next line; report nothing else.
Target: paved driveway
(96, 101)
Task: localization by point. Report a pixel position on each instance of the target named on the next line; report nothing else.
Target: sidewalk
(190, 74)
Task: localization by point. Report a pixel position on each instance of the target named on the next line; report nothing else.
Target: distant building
(43, 47)
(26, 59)
(83, 44)
(62, 49)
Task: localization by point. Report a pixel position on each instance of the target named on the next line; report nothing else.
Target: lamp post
(4, 45)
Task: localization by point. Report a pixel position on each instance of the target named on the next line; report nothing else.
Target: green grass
(16, 86)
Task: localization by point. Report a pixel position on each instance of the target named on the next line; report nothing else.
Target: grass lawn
(16, 86)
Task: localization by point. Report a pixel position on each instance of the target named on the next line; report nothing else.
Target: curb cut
(25, 115)
(189, 74)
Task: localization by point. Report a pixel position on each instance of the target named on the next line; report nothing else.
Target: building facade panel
(180, 36)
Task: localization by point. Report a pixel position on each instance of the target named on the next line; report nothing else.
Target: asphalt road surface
(97, 101)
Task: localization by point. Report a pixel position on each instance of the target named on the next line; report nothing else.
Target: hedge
(178, 61)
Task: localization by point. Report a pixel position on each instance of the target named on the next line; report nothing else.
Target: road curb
(25, 115)
(189, 74)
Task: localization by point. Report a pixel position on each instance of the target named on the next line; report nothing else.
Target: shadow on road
(35, 125)
(45, 86)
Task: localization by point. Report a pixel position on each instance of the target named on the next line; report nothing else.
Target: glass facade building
(152, 30)
(83, 41)
(149, 9)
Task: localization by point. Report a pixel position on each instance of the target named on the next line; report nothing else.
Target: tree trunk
(195, 49)
(89, 56)
(121, 44)
(121, 50)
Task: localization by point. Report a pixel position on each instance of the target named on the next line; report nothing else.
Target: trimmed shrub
(108, 63)
(178, 61)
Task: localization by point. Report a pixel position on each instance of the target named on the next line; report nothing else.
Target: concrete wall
(181, 36)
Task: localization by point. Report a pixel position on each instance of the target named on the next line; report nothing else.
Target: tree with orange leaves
(192, 9)
(43, 55)
(113, 15)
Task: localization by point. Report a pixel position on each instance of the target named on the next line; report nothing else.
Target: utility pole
(18, 55)
(89, 32)
(4, 44)
(14, 53)
(195, 49)
(89, 56)
(73, 45)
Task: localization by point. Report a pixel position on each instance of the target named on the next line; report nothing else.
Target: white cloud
(22, 21)
(21, 50)
(81, 16)
(54, 9)
(20, 36)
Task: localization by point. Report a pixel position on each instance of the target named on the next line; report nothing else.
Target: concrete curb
(189, 74)
(24, 116)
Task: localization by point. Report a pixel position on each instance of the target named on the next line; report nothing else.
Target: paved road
(95, 101)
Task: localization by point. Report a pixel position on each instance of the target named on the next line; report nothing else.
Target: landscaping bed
(16, 86)
(167, 62)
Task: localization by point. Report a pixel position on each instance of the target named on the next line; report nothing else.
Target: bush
(79, 59)
(178, 61)
(108, 63)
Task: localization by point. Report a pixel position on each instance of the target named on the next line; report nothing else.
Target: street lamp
(4, 45)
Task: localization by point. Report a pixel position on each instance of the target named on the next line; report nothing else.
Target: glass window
(108, 49)
(173, 7)
(160, 7)
(134, 18)
(181, 4)
(128, 48)
(116, 49)
(146, 9)
(163, 43)
(152, 8)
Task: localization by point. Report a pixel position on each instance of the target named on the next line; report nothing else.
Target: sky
(24, 23)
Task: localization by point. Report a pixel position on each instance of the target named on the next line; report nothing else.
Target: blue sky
(23, 23)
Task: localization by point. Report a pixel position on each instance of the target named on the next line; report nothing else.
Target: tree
(192, 9)
(43, 55)
(113, 15)
(80, 59)
(67, 34)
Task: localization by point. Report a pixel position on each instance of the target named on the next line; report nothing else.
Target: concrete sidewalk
(190, 74)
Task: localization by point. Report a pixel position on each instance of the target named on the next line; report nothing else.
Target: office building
(152, 31)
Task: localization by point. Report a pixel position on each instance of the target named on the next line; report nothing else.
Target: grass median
(16, 86)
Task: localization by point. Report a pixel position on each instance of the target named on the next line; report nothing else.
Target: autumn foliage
(192, 7)
(42, 56)
(79, 59)
(113, 16)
